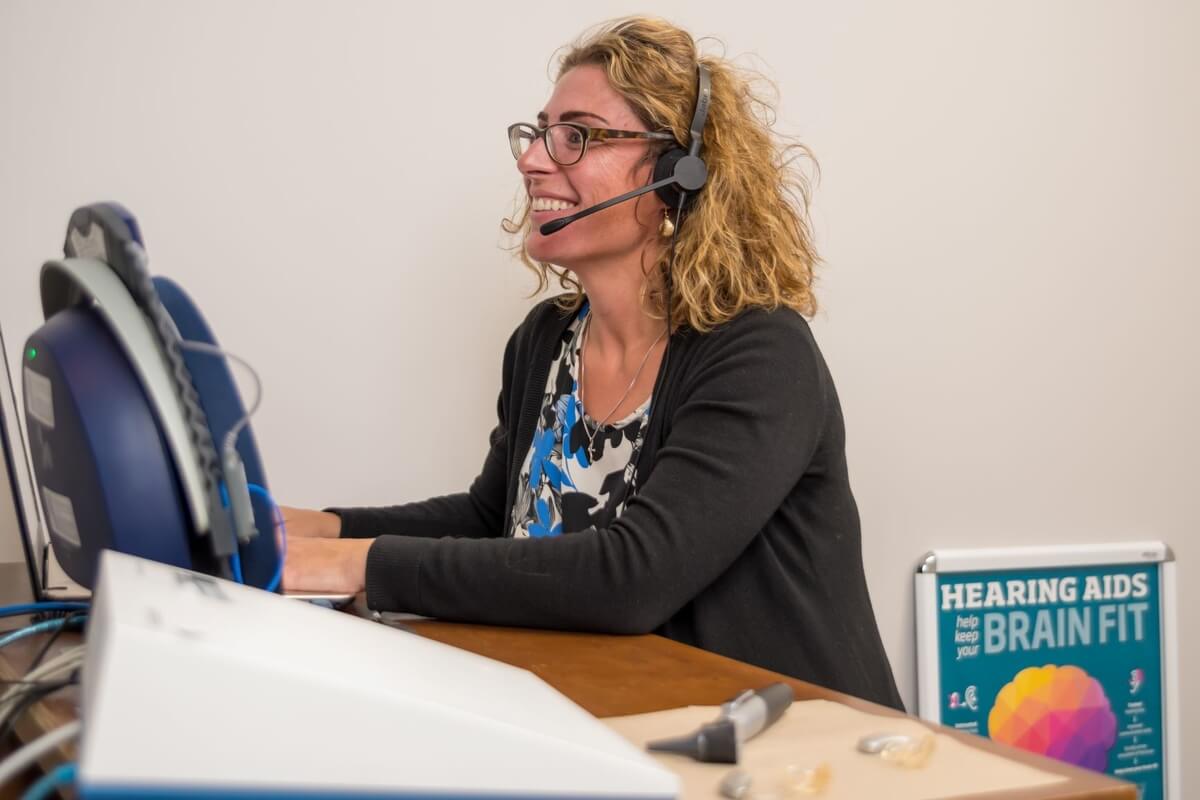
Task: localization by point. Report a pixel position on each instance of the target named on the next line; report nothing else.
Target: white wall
(1007, 214)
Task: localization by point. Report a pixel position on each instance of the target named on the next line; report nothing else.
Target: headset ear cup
(689, 173)
(665, 168)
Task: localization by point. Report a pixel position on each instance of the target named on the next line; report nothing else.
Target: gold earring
(667, 227)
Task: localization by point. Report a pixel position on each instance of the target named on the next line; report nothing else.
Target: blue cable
(45, 786)
(235, 560)
(40, 627)
(278, 515)
(38, 608)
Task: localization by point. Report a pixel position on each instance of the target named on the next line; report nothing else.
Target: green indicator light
(32, 353)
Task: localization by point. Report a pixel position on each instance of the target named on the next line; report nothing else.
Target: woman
(684, 477)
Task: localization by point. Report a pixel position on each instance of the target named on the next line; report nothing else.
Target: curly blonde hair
(746, 241)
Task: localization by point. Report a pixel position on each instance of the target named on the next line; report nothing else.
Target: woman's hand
(336, 566)
(304, 523)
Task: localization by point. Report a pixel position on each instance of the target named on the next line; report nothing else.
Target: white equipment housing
(198, 687)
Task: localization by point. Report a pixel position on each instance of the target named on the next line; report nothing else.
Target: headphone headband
(703, 96)
(681, 171)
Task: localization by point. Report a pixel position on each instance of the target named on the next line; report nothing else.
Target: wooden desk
(617, 675)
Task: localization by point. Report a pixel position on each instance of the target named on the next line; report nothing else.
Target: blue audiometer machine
(139, 439)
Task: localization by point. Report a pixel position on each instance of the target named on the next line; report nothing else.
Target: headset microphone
(555, 225)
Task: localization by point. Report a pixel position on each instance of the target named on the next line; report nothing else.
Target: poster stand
(1070, 651)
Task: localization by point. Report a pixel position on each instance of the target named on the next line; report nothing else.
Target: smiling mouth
(550, 204)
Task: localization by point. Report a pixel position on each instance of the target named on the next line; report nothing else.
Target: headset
(683, 171)
(678, 173)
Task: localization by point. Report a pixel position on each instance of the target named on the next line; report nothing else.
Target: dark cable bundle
(34, 692)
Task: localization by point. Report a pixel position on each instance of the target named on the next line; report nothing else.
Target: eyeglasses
(566, 142)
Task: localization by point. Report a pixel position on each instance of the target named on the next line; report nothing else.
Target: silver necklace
(591, 435)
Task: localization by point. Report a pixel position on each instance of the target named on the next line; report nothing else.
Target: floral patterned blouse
(567, 483)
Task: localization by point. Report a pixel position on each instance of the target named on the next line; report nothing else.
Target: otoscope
(742, 718)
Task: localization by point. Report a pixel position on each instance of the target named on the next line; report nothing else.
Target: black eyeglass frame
(589, 135)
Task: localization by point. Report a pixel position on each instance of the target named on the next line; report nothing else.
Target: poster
(1065, 662)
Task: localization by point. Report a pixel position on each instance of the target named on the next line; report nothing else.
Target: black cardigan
(743, 536)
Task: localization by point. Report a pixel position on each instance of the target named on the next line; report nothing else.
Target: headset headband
(703, 96)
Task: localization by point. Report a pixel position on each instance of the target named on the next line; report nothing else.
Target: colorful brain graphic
(1060, 712)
